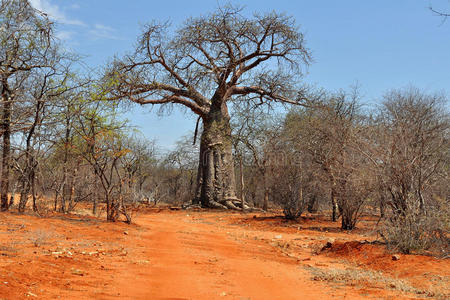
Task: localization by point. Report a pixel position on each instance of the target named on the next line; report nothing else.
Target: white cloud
(103, 31)
(75, 6)
(57, 13)
(64, 35)
(103, 27)
(54, 12)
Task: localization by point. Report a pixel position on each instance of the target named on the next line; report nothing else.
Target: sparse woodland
(264, 140)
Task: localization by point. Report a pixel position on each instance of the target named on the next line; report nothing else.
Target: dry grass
(373, 279)
(40, 237)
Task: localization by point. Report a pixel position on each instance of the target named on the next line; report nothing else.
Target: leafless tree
(208, 62)
(256, 134)
(177, 173)
(410, 157)
(439, 12)
(327, 138)
(326, 133)
(138, 165)
(26, 38)
(412, 147)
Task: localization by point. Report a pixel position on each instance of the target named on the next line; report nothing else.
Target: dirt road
(194, 260)
(168, 255)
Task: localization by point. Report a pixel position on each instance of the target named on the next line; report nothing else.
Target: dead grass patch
(372, 279)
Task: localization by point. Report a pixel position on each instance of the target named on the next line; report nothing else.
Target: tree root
(227, 203)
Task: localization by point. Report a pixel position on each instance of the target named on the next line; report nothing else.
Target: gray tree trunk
(216, 179)
(241, 174)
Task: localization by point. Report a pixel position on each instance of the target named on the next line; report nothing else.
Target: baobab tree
(204, 65)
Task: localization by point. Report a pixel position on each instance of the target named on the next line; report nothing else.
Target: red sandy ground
(202, 255)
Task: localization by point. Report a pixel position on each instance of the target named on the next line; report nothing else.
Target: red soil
(193, 255)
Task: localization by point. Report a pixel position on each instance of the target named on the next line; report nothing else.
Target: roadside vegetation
(264, 141)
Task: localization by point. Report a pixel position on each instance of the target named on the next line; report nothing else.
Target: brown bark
(56, 199)
(6, 155)
(33, 191)
(94, 200)
(23, 196)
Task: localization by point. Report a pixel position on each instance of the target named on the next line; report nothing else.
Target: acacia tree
(205, 64)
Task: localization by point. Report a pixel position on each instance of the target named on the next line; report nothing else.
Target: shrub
(287, 191)
(419, 231)
(293, 207)
(352, 196)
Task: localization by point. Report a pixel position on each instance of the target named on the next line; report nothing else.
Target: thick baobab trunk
(216, 180)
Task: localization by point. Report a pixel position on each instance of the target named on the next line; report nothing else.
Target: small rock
(77, 272)
(30, 294)
(57, 254)
(328, 245)
(321, 265)
(279, 236)
(223, 294)
(142, 262)
(125, 232)
(306, 259)
(395, 257)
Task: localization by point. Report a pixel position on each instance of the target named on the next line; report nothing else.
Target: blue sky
(381, 44)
